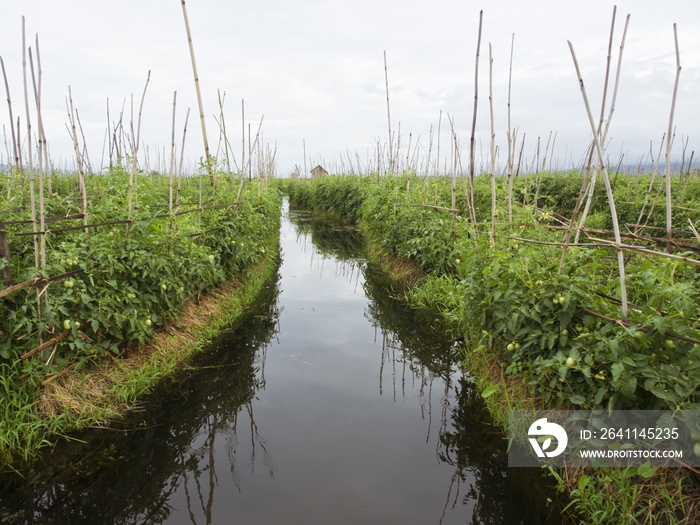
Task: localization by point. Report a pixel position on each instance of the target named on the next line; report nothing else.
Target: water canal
(329, 404)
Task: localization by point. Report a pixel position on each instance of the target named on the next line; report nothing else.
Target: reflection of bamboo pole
(667, 166)
(212, 175)
(611, 199)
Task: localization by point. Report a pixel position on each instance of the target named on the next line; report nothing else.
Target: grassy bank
(114, 309)
(538, 337)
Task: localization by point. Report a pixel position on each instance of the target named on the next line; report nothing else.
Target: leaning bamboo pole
(30, 157)
(212, 174)
(667, 166)
(78, 160)
(134, 161)
(611, 199)
(471, 139)
(40, 141)
(12, 126)
(604, 136)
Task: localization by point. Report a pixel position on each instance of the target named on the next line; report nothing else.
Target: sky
(315, 70)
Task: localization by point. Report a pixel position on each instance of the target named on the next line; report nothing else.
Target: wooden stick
(171, 171)
(611, 199)
(212, 175)
(511, 138)
(471, 139)
(12, 127)
(667, 164)
(47, 344)
(493, 152)
(388, 114)
(182, 155)
(133, 174)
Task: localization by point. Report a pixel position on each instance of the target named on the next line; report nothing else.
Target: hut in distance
(318, 171)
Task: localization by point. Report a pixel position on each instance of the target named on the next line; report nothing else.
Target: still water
(328, 404)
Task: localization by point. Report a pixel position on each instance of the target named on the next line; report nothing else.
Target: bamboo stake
(605, 132)
(171, 171)
(611, 199)
(243, 137)
(493, 152)
(223, 128)
(212, 175)
(30, 159)
(388, 114)
(182, 155)
(42, 238)
(134, 161)
(511, 139)
(78, 159)
(667, 166)
(471, 139)
(12, 126)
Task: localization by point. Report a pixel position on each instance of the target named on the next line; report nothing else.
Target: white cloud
(315, 69)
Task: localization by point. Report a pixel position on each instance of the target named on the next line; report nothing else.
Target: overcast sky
(315, 69)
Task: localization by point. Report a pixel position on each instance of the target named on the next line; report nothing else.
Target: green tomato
(76, 324)
(517, 346)
(163, 286)
(68, 283)
(457, 261)
(66, 324)
(510, 347)
(63, 262)
(148, 322)
(564, 332)
(696, 449)
(670, 344)
(639, 334)
(555, 300)
(570, 362)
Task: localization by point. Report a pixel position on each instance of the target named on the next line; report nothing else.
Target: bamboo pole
(30, 159)
(171, 171)
(12, 126)
(42, 214)
(611, 199)
(667, 166)
(388, 115)
(493, 152)
(511, 138)
(133, 175)
(471, 139)
(182, 155)
(212, 175)
(223, 129)
(589, 200)
(78, 159)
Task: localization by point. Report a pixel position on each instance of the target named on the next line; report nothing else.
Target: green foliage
(113, 290)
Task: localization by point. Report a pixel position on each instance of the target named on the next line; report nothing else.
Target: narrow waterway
(328, 404)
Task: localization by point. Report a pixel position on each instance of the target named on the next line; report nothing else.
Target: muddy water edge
(328, 403)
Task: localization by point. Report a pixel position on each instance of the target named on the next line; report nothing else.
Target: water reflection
(130, 472)
(467, 439)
